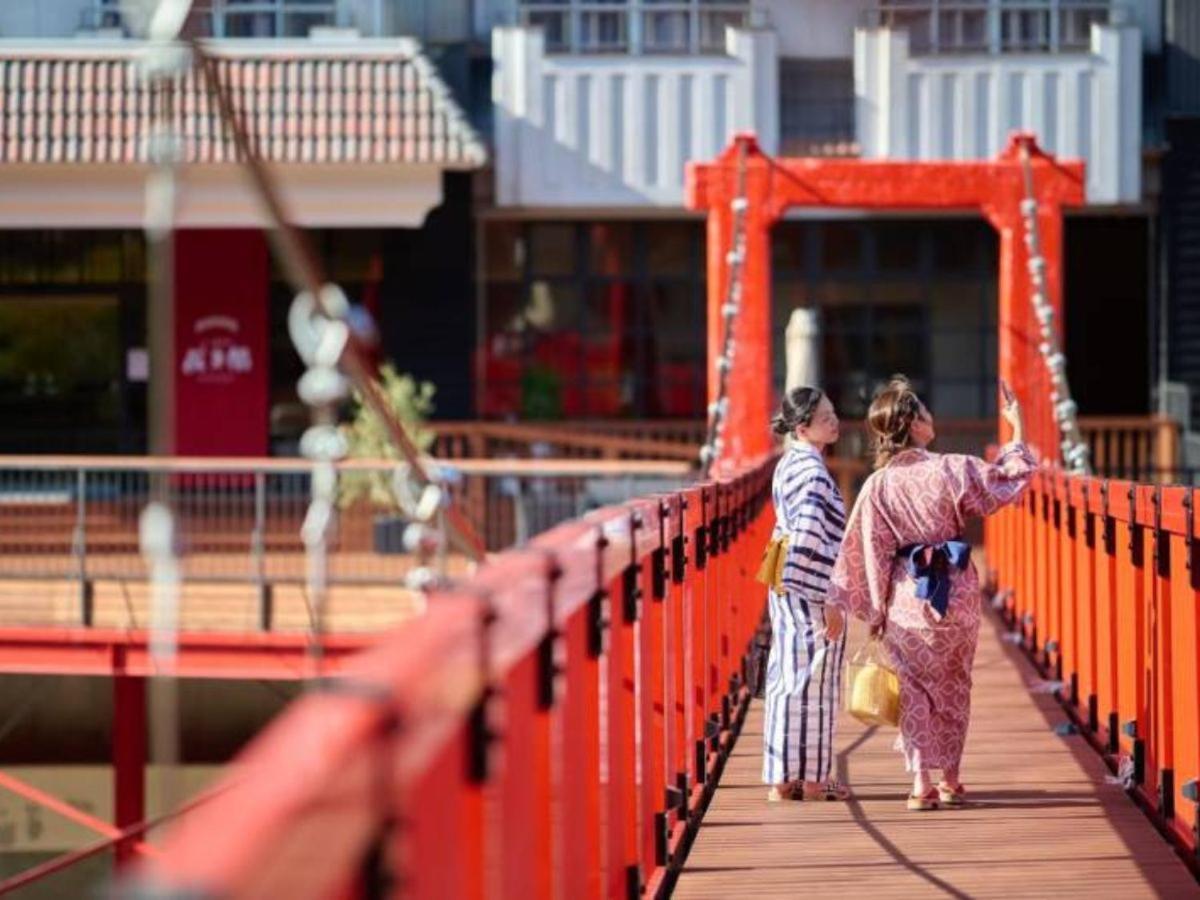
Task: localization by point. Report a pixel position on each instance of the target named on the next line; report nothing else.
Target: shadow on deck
(1045, 820)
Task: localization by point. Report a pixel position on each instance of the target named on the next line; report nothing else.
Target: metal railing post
(79, 549)
(258, 553)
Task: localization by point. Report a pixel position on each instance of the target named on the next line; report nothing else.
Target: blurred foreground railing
(76, 518)
(1099, 580)
(552, 727)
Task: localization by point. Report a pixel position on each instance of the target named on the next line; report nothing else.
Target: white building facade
(598, 106)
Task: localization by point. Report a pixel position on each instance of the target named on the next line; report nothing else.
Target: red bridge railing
(553, 727)
(1102, 580)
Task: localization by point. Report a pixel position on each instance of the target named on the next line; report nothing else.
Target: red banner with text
(222, 345)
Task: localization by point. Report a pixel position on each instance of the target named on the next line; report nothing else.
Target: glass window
(675, 314)
(841, 247)
(555, 24)
(249, 25)
(1007, 26)
(958, 247)
(816, 107)
(554, 306)
(610, 249)
(552, 249)
(608, 312)
(667, 31)
(622, 334)
(603, 31)
(673, 248)
(898, 246)
(664, 26)
(789, 248)
(504, 251)
(61, 373)
(713, 23)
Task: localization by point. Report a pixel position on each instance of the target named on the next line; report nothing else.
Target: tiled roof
(357, 102)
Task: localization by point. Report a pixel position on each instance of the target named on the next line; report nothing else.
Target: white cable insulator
(734, 258)
(322, 385)
(332, 337)
(718, 446)
(724, 364)
(729, 310)
(1078, 455)
(1045, 348)
(1037, 266)
(706, 454)
(323, 443)
(739, 204)
(423, 540)
(1056, 362)
(1066, 409)
(432, 499)
(1045, 314)
(318, 521)
(334, 301)
(1028, 207)
(421, 579)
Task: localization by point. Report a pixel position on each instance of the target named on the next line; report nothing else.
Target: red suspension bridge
(576, 717)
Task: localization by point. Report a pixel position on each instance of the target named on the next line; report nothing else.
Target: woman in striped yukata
(807, 637)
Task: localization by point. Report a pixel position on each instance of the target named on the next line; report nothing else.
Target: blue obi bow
(929, 566)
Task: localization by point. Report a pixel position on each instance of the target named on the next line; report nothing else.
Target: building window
(72, 314)
(994, 26)
(238, 18)
(816, 107)
(635, 26)
(592, 320)
(917, 297)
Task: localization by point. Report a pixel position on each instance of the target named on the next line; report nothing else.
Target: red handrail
(1098, 577)
(553, 727)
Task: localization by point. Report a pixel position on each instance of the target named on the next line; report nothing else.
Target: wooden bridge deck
(1044, 823)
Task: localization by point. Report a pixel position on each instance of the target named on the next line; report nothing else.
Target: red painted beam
(93, 651)
(994, 188)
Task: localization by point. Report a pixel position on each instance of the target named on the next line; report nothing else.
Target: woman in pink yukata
(905, 569)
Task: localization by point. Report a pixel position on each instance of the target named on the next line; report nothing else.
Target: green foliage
(541, 393)
(367, 436)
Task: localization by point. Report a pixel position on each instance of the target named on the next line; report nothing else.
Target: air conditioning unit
(1191, 455)
(1175, 399)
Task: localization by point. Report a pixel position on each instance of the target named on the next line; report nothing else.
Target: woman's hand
(835, 623)
(1011, 410)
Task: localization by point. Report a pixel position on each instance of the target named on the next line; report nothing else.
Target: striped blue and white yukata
(804, 667)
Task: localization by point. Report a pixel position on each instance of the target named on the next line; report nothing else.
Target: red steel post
(129, 757)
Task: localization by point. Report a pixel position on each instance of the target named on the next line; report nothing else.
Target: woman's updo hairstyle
(891, 416)
(798, 407)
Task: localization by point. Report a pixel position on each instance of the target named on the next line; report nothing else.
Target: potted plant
(367, 438)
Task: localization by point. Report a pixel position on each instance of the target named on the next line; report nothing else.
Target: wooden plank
(1043, 822)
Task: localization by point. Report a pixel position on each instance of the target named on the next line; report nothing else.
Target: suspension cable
(718, 410)
(1074, 449)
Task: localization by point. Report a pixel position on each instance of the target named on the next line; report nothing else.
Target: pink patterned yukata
(923, 498)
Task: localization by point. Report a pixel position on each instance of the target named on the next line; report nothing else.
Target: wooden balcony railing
(1139, 447)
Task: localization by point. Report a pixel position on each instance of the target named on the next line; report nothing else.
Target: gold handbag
(873, 695)
(770, 570)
